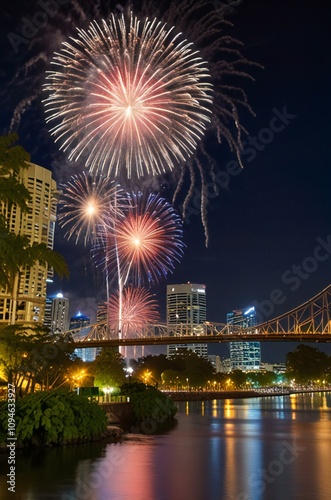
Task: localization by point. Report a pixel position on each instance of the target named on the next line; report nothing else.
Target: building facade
(60, 314)
(186, 308)
(245, 356)
(26, 304)
(216, 362)
(82, 322)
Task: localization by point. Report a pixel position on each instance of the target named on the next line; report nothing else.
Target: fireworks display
(127, 97)
(139, 308)
(131, 95)
(134, 97)
(85, 203)
(148, 240)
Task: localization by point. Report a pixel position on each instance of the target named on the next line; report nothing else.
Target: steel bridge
(309, 322)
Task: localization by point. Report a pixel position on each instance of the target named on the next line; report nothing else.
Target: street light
(129, 371)
(188, 387)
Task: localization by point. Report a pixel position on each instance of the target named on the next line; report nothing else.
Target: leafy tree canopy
(307, 364)
(108, 368)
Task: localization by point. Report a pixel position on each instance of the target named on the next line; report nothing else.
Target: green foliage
(108, 369)
(54, 418)
(156, 365)
(28, 356)
(264, 379)
(188, 365)
(308, 364)
(129, 389)
(238, 378)
(149, 403)
(153, 404)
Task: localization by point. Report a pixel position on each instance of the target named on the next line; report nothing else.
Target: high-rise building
(38, 224)
(215, 361)
(48, 313)
(79, 321)
(245, 356)
(60, 314)
(82, 322)
(186, 307)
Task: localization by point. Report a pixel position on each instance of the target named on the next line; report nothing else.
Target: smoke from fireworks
(132, 94)
(139, 308)
(148, 239)
(85, 203)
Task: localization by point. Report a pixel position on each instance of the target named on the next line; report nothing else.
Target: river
(274, 448)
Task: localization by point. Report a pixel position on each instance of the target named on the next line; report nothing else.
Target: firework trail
(132, 94)
(86, 204)
(139, 308)
(148, 240)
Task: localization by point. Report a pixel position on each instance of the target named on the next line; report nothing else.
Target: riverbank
(209, 395)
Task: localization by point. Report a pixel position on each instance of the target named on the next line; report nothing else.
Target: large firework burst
(132, 94)
(201, 22)
(139, 308)
(86, 204)
(148, 240)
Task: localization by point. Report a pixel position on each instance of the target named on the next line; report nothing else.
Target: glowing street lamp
(129, 371)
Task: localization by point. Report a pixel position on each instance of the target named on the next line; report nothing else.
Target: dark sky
(274, 213)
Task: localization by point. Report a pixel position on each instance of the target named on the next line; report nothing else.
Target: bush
(149, 403)
(48, 418)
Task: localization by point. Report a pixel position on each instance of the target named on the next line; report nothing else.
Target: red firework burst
(148, 240)
(139, 308)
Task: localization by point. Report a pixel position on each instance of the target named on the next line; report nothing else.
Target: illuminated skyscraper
(245, 356)
(38, 224)
(81, 321)
(60, 314)
(186, 307)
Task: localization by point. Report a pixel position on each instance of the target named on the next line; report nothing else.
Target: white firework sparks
(132, 95)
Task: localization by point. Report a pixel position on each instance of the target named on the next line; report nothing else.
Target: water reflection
(253, 449)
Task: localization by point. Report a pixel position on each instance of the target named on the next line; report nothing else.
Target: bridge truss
(308, 322)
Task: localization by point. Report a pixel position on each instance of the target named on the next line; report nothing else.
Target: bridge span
(309, 322)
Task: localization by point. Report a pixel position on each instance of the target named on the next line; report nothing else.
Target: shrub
(149, 403)
(54, 417)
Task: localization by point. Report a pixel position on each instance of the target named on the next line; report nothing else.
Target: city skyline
(269, 226)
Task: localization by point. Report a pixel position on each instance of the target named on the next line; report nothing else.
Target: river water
(274, 448)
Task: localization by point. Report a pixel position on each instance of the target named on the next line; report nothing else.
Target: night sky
(268, 217)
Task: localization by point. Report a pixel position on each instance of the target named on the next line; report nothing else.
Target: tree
(154, 366)
(307, 364)
(261, 379)
(108, 368)
(192, 367)
(29, 357)
(16, 251)
(238, 378)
